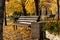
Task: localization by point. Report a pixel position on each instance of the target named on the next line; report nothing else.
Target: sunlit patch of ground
(22, 33)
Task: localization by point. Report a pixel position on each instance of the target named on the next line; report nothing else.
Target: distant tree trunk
(24, 10)
(46, 11)
(36, 6)
(58, 8)
(5, 16)
(5, 19)
(2, 5)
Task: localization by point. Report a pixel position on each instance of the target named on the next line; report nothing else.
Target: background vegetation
(30, 8)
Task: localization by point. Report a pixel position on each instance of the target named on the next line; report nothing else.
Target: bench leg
(29, 26)
(15, 27)
(36, 28)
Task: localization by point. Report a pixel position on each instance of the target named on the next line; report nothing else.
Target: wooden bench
(36, 26)
(26, 21)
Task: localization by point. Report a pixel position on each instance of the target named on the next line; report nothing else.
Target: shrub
(52, 27)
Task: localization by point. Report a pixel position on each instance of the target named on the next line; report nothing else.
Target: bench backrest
(28, 19)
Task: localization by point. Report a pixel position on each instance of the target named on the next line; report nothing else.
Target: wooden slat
(21, 24)
(25, 22)
(27, 18)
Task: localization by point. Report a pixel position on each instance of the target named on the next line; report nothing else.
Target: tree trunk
(58, 8)
(24, 10)
(2, 5)
(36, 6)
(5, 19)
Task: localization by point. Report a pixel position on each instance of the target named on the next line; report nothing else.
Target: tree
(36, 5)
(24, 10)
(5, 15)
(2, 5)
(15, 16)
(23, 6)
(58, 8)
(46, 4)
(5, 19)
(30, 7)
(15, 5)
(12, 6)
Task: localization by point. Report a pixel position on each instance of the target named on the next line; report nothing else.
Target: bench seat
(26, 20)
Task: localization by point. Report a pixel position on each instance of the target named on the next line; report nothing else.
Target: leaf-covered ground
(22, 33)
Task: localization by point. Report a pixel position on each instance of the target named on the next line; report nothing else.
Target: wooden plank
(36, 30)
(21, 24)
(25, 22)
(27, 18)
